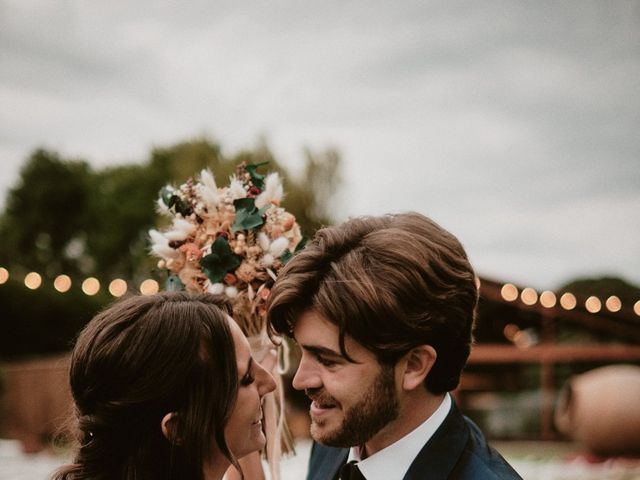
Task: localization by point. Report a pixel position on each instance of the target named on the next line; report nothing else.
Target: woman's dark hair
(392, 283)
(138, 360)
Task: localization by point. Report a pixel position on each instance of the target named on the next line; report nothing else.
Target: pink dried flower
(246, 272)
(191, 252)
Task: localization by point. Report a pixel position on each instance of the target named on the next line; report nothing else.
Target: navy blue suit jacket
(456, 451)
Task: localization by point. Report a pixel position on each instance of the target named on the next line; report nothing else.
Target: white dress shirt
(392, 462)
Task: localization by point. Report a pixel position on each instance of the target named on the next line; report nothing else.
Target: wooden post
(547, 378)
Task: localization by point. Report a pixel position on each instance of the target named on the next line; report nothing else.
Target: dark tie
(350, 471)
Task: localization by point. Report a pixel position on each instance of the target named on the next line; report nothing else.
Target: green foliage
(256, 178)
(44, 212)
(120, 212)
(220, 261)
(248, 216)
(175, 164)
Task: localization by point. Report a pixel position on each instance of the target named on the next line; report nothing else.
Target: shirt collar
(393, 461)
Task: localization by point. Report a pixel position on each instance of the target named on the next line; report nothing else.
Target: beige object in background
(601, 409)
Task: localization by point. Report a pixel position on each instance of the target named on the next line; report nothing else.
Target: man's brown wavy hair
(391, 283)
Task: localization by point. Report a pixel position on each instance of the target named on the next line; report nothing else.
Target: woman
(164, 388)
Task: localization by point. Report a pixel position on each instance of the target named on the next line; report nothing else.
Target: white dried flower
(216, 288)
(181, 229)
(278, 246)
(267, 260)
(231, 292)
(208, 189)
(236, 189)
(263, 241)
(272, 274)
(272, 192)
(160, 246)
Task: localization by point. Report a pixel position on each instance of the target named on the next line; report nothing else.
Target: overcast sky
(513, 124)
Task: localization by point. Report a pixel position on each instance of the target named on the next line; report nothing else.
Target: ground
(533, 460)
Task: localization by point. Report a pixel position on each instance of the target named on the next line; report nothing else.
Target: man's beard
(377, 408)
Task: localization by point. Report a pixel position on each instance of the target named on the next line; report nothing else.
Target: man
(383, 310)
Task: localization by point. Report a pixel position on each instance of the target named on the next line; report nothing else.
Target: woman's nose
(267, 382)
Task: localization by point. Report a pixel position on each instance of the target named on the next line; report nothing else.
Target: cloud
(512, 124)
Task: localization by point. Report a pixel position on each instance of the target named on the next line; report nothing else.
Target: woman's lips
(259, 417)
(258, 421)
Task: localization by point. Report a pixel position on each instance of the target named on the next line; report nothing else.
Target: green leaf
(256, 178)
(220, 261)
(288, 255)
(301, 244)
(248, 216)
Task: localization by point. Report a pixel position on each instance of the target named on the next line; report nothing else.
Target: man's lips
(317, 409)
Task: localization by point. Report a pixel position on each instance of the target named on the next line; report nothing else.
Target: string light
(568, 301)
(62, 283)
(509, 292)
(32, 280)
(593, 304)
(529, 296)
(613, 304)
(548, 299)
(149, 287)
(91, 286)
(510, 330)
(118, 287)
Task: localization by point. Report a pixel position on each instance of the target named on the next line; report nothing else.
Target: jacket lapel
(339, 460)
(325, 462)
(441, 453)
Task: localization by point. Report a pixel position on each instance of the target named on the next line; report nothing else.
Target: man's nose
(306, 377)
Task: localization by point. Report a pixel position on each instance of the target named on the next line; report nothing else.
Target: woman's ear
(168, 427)
(417, 364)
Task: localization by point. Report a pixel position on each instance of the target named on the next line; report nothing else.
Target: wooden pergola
(624, 326)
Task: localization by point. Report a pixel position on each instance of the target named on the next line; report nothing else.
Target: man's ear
(417, 364)
(168, 426)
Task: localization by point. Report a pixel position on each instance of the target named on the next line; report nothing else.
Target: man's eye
(326, 362)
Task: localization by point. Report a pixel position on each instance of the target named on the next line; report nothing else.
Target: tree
(120, 212)
(44, 212)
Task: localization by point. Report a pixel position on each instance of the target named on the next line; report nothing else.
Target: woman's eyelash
(248, 379)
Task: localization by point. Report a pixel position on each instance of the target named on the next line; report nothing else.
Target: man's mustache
(320, 396)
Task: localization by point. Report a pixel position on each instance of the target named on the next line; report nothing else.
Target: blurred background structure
(513, 125)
